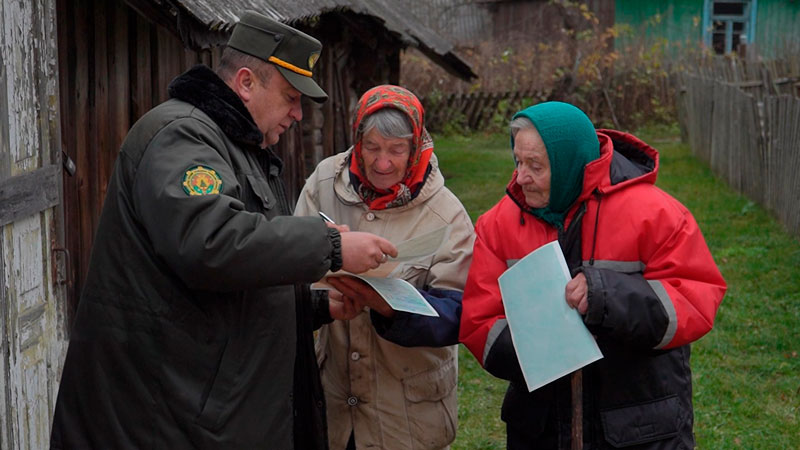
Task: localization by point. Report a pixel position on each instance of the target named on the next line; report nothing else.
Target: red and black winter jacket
(653, 288)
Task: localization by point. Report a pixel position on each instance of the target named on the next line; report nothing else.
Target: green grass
(476, 169)
(746, 370)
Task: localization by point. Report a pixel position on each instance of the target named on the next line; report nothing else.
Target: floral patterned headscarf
(388, 96)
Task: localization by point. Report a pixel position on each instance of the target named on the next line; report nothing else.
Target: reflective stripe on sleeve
(617, 266)
(494, 333)
(672, 326)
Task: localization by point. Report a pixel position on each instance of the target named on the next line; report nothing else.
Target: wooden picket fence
(621, 102)
(745, 124)
(474, 110)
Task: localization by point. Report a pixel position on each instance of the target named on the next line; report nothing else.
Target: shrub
(573, 60)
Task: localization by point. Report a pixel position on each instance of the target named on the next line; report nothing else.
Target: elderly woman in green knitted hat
(644, 283)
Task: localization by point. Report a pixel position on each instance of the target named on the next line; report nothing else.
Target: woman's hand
(342, 307)
(354, 288)
(577, 293)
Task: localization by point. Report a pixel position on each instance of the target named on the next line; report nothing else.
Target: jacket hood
(624, 160)
(201, 87)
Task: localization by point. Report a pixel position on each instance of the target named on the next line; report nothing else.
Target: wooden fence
(760, 78)
(748, 131)
(474, 110)
(622, 101)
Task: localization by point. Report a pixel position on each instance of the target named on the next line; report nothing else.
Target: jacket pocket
(260, 187)
(638, 424)
(431, 406)
(416, 273)
(217, 408)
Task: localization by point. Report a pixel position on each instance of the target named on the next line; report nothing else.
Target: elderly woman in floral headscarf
(389, 376)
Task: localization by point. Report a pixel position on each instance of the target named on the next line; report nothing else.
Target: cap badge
(313, 59)
(201, 180)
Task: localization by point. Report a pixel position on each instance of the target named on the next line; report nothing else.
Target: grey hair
(389, 122)
(232, 60)
(520, 123)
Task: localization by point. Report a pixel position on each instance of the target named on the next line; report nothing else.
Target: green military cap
(292, 51)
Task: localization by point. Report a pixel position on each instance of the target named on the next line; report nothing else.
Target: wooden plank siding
(28, 194)
(777, 31)
(32, 331)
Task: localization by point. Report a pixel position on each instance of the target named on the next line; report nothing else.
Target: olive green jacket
(188, 333)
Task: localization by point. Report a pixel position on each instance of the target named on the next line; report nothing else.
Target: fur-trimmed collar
(201, 87)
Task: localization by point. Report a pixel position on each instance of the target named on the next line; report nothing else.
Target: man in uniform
(194, 328)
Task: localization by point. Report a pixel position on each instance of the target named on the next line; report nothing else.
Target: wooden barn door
(32, 342)
(114, 65)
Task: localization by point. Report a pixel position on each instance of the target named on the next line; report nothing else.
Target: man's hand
(363, 293)
(363, 251)
(577, 293)
(342, 307)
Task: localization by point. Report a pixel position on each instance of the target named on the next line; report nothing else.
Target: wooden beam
(24, 195)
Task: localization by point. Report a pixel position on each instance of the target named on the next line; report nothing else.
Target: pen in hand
(332, 224)
(326, 218)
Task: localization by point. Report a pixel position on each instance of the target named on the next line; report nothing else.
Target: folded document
(399, 293)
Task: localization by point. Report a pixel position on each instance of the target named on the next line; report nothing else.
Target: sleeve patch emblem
(201, 180)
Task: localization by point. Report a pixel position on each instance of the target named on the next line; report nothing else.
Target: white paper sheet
(549, 337)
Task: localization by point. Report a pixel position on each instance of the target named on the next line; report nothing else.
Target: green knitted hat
(571, 143)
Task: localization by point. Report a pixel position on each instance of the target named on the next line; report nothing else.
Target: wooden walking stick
(576, 380)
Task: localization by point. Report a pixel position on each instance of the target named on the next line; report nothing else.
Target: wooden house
(468, 23)
(765, 27)
(724, 26)
(74, 76)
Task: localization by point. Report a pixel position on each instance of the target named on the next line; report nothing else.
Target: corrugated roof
(220, 16)
(463, 22)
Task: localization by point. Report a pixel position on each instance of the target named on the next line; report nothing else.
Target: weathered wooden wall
(676, 21)
(32, 331)
(777, 27)
(115, 65)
